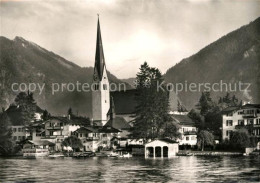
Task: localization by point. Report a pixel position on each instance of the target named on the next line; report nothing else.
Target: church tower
(100, 87)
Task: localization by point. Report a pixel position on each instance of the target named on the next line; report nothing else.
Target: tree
(70, 111)
(73, 142)
(240, 139)
(197, 118)
(205, 103)
(213, 121)
(46, 115)
(27, 105)
(7, 146)
(171, 131)
(205, 138)
(152, 111)
(227, 99)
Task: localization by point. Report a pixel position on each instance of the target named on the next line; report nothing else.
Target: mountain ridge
(232, 58)
(23, 61)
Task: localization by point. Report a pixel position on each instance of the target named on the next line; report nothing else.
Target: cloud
(161, 32)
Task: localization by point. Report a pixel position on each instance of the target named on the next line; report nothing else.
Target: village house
(246, 116)
(188, 129)
(19, 131)
(96, 138)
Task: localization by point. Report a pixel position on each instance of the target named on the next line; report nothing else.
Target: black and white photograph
(129, 91)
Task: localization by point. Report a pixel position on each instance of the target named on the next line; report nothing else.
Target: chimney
(69, 117)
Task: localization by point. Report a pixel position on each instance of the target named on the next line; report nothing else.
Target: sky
(161, 32)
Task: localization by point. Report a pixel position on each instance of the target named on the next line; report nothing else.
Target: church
(114, 109)
(117, 109)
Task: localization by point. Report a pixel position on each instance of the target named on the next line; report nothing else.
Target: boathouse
(161, 148)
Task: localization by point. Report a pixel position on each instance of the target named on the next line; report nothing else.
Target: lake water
(102, 169)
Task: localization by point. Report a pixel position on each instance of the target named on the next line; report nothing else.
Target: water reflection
(97, 169)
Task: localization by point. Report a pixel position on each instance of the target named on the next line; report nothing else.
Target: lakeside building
(96, 138)
(20, 132)
(188, 129)
(246, 116)
(161, 148)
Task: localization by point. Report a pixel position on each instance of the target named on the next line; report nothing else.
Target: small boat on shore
(56, 156)
(83, 154)
(113, 154)
(128, 155)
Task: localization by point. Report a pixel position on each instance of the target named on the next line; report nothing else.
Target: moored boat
(127, 155)
(56, 156)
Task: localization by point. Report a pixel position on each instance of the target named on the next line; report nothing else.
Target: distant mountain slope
(233, 58)
(22, 61)
(130, 81)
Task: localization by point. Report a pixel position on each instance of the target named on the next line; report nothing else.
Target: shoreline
(208, 153)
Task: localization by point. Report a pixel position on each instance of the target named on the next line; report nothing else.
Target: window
(14, 129)
(193, 138)
(228, 132)
(80, 134)
(15, 138)
(104, 135)
(104, 86)
(187, 138)
(19, 129)
(96, 86)
(240, 112)
(104, 142)
(229, 123)
(241, 122)
(229, 114)
(250, 121)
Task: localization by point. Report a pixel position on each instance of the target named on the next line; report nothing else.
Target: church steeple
(99, 59)
(100, 92)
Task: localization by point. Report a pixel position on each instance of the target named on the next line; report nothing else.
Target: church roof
(109, 129)
(124, 101)
(118, 123)
(99, 59)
